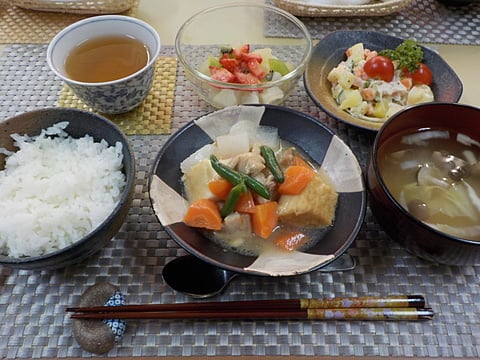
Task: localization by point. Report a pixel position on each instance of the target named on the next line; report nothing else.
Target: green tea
(106, 58)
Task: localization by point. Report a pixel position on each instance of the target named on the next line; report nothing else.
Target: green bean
(272, 163)
(257, 186)
(232, 199)
(236, 177)
(224, 171)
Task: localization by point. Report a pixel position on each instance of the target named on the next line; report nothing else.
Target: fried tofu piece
(196, 181)
(315, 206)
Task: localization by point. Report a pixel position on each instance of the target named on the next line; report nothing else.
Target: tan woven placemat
(154, 115)
(22, 26)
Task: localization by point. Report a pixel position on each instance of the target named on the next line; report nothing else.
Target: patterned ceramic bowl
(112, 97)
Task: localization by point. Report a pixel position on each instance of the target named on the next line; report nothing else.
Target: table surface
(32, 303)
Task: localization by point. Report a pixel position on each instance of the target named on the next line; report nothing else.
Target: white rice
(56, 189)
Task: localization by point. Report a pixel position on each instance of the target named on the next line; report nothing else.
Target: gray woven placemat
(426, 21)
(32, 303)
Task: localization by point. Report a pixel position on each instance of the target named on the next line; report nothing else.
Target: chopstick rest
(118, 326)
(96, 336)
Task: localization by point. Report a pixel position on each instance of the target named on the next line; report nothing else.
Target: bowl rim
(126, 193)
(297, 71)
(391, 198)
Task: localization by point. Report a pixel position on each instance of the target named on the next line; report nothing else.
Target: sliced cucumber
(213, 61)
(277, 65)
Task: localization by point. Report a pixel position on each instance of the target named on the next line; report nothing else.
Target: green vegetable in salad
(277, 65)
(213, 61)
(408, 55)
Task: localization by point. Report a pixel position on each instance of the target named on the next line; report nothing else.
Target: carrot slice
(203, 213)
(220, 187)
(246, 203)
(291, 240)
(296, 179)
(368, 94)
(407, 82)
(265, 219)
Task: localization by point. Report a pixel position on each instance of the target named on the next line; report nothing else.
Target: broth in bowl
(435, 175)
(106, 58)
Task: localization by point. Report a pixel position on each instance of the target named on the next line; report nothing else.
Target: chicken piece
(237, 223)
(237, 228)
(287, 157)
(269, 181)
(314, 206)
(249, 163)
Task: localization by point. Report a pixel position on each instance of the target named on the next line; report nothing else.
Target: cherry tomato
(422, 76)
(380, 68)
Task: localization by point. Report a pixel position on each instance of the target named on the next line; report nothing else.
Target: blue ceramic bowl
(330, 50)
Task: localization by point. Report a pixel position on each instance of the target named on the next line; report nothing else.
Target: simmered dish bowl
(424, 181)
(171, 196)
(331, 51)
(67, 180)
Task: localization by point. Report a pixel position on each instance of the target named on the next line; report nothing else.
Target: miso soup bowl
(116, 96)
(417, 237)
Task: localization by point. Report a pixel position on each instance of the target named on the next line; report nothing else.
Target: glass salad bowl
(240, 65)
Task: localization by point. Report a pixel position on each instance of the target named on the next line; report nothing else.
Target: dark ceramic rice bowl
(80, 124)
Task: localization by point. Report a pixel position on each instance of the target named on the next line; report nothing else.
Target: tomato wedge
(230, 64)
(251, 56)
(238, 51)
(249, 79)
(221, 74)
(255, 68)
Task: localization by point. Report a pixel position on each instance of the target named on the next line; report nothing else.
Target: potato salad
(373, 85)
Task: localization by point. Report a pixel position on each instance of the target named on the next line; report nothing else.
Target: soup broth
(106, 58)
(435, 175)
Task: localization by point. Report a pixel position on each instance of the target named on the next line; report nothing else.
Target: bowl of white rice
(66, 186)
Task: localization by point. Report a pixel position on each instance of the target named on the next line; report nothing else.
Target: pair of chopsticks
(401, 307)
